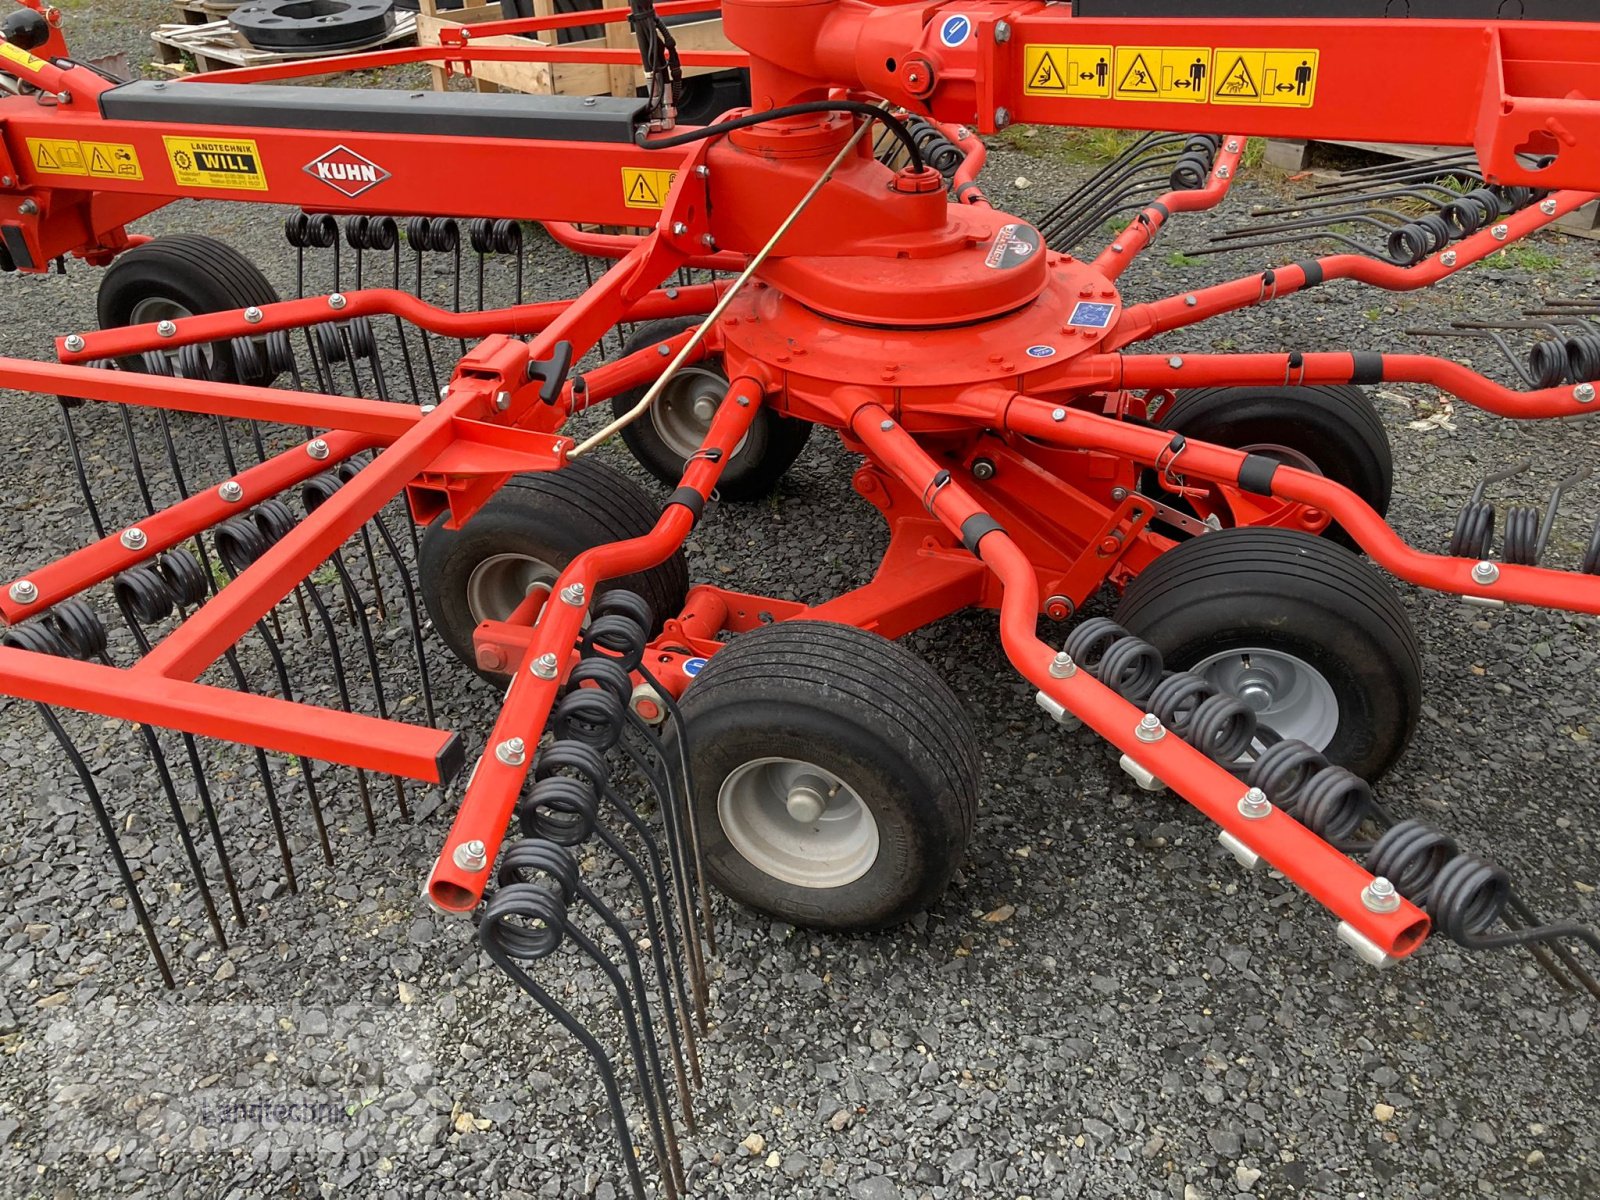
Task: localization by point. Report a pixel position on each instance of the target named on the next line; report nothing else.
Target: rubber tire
(1289, 590)
(200, 273)
(1333, 425)
(865, 708)
(553, 516)
(769, 449)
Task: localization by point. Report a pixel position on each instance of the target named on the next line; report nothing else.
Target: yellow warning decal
(1286, 78)
(98, 160)
(57, 156)
(1173, 73)
(1181, 74)
(1080, 71)
(22, 57)
(233, 164)
(642, 188)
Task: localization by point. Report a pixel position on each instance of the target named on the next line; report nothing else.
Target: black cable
(859, 107)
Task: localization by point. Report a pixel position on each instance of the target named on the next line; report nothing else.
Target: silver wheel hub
(1286, 693)
(501, 582)
(798, 822)
(682, 415)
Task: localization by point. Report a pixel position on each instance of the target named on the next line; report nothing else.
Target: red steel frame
(914, 391)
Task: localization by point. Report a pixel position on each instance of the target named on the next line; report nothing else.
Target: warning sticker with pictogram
(112, 160)
(643, 188)
(1172, 73)
(1285, 78)
(1080, 71)
(57, 156)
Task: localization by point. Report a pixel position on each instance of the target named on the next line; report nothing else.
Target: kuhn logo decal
(1014, 244)
(345, 171)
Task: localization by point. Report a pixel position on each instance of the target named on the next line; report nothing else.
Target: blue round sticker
(955, 30)
(1041, 351)
(693, 666)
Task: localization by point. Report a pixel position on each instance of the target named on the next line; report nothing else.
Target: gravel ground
(1148, 1021)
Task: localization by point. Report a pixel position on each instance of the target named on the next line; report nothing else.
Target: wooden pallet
(217, 46)
(1303, 156)
(561, 79)
(204, 12)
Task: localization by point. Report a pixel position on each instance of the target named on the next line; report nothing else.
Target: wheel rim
(157, 308)
(501, 582)
(1286, 693)
(683, 413)
(798, 822)
(153, 309)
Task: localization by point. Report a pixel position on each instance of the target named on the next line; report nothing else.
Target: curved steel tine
(108, 828)
(602, 1062)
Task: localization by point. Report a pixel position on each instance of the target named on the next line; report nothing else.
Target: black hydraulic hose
(895, 125)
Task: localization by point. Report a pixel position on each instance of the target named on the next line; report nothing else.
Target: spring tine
(1547, 526)
(636, 973)
(661, 781)
(656, 924)
(1518, 364)
(76, 450)
(1574, 967)
(412, 611)
(1541, 955)
(208, 806)
(503, 906)
(651, 1081)
(269, 790)
(336, 661)
(691, 818)
(135, 460)
(281, 669)
(354, 598)
(400, 332)
(427, 340)
(682, 846)
(108, 828)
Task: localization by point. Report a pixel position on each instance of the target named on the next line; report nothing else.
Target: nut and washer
(1380, 896)
(1002, 32)
(28, 208)
(572, 594)
(702, 172)
(253, 315)
(1501, 232)
(502, 401)
(679, 229)
(1175, 363)
(1449, 258)
(1058, 414)
(545, 666)
(1548, 206)
(166, 328)
(663, 349)
(1485, 573)
(1149, 728)
(133, 538)
(471, 856)
(1191, 301)
(231, 491)
(1002, 117)
(74, 342)
(1254, 805)
(1584, 393)
(24, 591)
(1223, 171)
(317, 449)
(513, 752)
(337, 300)
(1062, 666)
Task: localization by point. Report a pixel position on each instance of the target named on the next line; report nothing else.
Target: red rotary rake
(789, 273)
